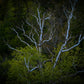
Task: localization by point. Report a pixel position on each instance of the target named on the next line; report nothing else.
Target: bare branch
(19, 28)
(67, 37)
(12, 47)
(27, 66)
(43, 20)
(34, 69)
(58, 56)
(69, 20)
(39, 18)
(29, 24)
(80, 39)
(32, 40)
(32, 27)
(49, 60)
(36, 18)
(20, 38)
(50, 51)
(47, 18)
(36, 31)
(46, 40)
(65, 13)
(27, 36)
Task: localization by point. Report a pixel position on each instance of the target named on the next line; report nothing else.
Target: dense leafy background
(12, 66)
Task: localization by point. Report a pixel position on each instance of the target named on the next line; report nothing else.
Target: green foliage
(66, 66)
(14, 71)
(18, 72)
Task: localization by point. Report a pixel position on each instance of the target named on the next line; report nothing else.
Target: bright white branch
(20, 38)
(32, 27)
(31, 39)
(44, 41)
(47, 18)
(43, 20)
(27, 66)
(67, 37)
(40, 22)
(33, 69)
(74, 45)
(36, 19)
(39, 18)
(12, 47)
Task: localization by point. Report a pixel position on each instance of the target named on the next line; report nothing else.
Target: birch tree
(67, 37)
(41, 23)
(40, 33)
